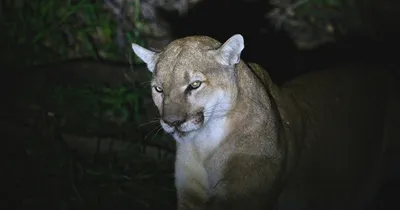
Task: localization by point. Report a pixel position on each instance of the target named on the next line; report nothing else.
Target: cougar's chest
(192, 155)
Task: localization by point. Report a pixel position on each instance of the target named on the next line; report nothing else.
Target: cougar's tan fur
(317, 142)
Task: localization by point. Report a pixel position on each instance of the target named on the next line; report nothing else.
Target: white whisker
(152, 131)
(156, 133)
(146, 123)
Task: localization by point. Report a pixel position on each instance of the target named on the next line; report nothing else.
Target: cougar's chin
(166, 127)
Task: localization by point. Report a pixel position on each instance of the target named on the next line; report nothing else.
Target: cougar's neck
(252, 96)
(255, 109)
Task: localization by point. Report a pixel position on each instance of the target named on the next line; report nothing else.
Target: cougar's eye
(195, 84)
(158, 89)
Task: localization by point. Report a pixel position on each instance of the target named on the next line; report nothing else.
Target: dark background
(43, 169)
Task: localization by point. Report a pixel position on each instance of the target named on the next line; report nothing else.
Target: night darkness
(79, 128)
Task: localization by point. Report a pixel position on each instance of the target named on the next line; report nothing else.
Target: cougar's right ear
(147, 56)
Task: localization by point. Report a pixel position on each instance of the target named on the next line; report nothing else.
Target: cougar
(316, 142)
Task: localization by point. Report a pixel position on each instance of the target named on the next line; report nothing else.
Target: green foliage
(122, 180)
(36, 32)
(117, 104)
(71, 182)
(49, 31)
(119, 99)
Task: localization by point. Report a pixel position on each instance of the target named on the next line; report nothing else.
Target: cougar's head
(194, 81)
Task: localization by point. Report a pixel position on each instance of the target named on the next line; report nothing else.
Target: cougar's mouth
(191, 123)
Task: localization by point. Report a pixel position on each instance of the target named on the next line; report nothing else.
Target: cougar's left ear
(147, 56)
(229, 52)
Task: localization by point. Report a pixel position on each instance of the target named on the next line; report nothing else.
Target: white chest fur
(206, 140)
(190, 172)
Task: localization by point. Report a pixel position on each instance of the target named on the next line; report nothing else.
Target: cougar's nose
(174, 120)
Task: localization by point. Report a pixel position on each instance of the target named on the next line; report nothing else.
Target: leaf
(333, 3)
(111, 101)
(38, 37)
(106, 90)
(91, 12)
